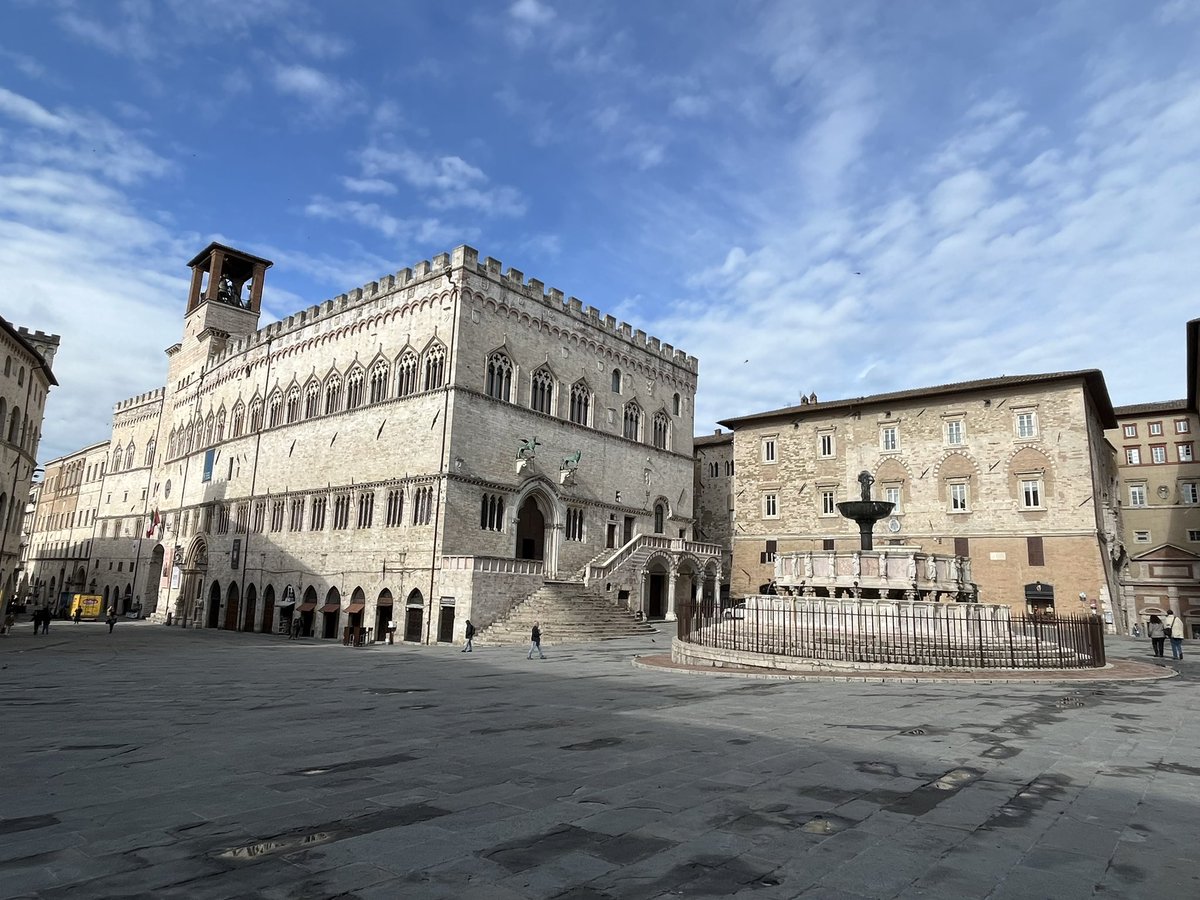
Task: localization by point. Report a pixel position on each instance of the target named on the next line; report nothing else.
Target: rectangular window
(958, 497)
(1188, 493)
(962, 547)
(825, 443)
(768, 555)
(574, 530)
(889, 439)
(1026, 425)
(892, 496)
(1036, 552)
(1155, 428)
(1194, 535)
(828, 503)
(954, 432)
(1031, 493)
(1182, 426)
(209, 458)
(1137, 495)
(1141, 537)
(1133, 456)
(1185, 451)
(771, 506)
(1130, 431)
(768, 450)
(316, 517)
(829, 544)
(1158, 454)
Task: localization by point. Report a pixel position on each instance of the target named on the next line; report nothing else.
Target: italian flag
(153, 531)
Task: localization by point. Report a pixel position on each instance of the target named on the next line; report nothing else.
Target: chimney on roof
(803, 400)
(812, 398)
(716, 431)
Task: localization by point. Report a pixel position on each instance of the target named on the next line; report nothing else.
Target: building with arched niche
(1013, 473)
(433, 446)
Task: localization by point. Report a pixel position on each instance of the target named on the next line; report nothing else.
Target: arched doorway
(354, 612)
(232, 605)
(191, 585)
(654, 593)
(531, 530)
(214, 605)
(268, 618)
(251, 602)
(383, 614)
(414, 616)
(308, 611)
(331, 612)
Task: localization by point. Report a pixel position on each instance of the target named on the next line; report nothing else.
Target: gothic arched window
(379, 381)
(129, 457)
(675, 405)
(541, 392)
(118, 455)
(256, 415)
(660, 516)
(237, 422)
(435, 367)
(312, 400)
(633, 421)
(581, 403)
(662, 430)
(333, 394)
(150, 447)
(499, 376)
(616, 381)
(275, 410)
(354, 389)
(406, 374)
(219, 430)
(292, 413)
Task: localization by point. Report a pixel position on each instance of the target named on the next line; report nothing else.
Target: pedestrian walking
(1174, 630)
(1158, 634)
(536, 642)
(470, 637)
(9, 620)
(294, 631)
(112, 618)
(78, 614)
(45, 620)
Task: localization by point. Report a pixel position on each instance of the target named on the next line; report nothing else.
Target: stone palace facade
(433, 446)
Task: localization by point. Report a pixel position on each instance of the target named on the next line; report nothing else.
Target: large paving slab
(164, 763)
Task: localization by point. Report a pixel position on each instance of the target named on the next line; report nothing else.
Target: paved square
(165, 763)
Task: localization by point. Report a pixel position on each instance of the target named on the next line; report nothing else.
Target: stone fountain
(865, 511)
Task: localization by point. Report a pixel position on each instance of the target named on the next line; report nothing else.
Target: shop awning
(331, 607)
(307, 607)
(384, 601)
(356, 607)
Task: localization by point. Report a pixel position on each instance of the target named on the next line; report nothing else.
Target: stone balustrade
(900, 573)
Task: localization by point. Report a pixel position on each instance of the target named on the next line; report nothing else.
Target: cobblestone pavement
(165, 763)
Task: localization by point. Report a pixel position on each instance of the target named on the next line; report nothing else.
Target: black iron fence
(941, 635)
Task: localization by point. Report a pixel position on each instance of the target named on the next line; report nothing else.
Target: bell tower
(224, 301)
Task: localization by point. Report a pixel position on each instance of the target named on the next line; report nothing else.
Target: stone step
(568, 612)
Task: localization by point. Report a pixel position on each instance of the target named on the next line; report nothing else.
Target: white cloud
(326, 93)
(368, 185)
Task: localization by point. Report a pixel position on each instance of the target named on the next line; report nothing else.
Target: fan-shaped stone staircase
(568, 612)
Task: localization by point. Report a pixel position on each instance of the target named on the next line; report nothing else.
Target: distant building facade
(713, 489)
(432, 446)
(1014, 472)
(25, 382)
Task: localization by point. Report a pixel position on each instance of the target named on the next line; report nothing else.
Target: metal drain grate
(915, 732)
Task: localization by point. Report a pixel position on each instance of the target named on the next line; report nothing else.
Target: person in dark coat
(536, 642)
(45, 620)
(78, 614)
(470, 637)
(112, 618)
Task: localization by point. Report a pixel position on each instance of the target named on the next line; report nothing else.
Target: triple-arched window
(379, 381)
(237, 423)
(407, 371)
(661, 430)
(312, 400)
(499, 376)
(581, 403)
(219, 429)
(292, 412)
(491, 513)
(256, 415)
(275, 410)
(333, 394)
(541, 392)
(435, 367)
(354, 389)
(633, 421)
(129, 457)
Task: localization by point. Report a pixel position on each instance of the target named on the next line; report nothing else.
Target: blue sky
(844, 198)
